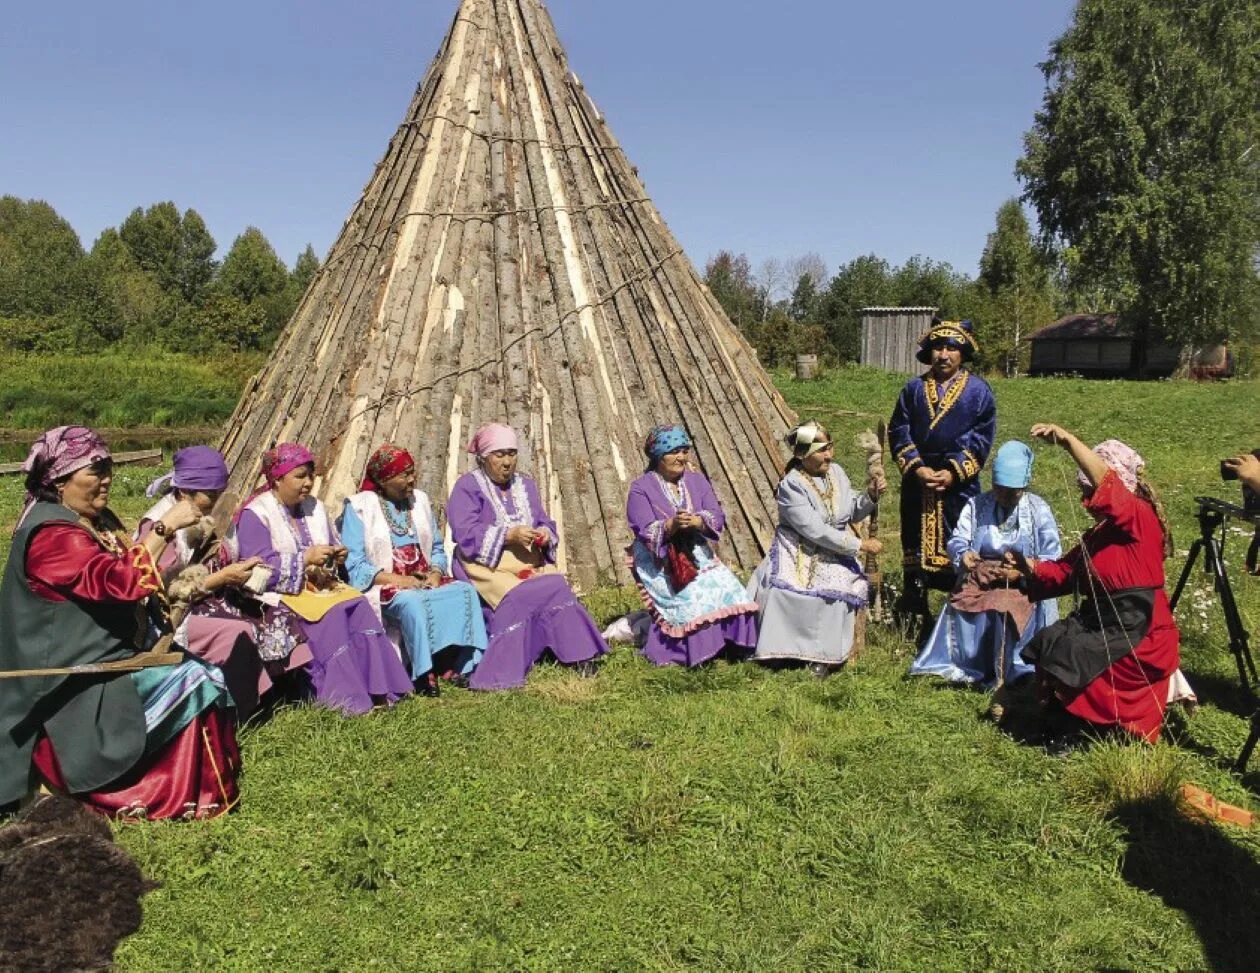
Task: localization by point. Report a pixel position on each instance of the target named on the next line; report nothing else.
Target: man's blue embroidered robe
(950, 428)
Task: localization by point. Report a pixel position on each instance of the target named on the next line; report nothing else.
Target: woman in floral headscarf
(397, 559)
(1109, 663)
(352, 664)
(697, 604)
(132, 732)
(505, 544)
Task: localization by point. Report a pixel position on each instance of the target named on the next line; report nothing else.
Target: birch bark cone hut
(504, 263)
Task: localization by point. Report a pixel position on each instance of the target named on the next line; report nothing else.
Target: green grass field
(735, 818)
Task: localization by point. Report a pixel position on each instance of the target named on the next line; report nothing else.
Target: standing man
(941, 432)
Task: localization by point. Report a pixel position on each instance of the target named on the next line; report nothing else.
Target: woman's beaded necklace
(826, 494)
(399, 521)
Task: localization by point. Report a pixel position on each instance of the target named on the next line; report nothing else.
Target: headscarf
(1121, 458)
(1013, 465)
(194, 468)
(664, 439)
(807, 439)
(388, 461)
(491, 438)
(958, 334)
(285, 458)
(60, 452)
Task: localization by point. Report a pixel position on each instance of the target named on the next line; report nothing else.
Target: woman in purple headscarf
(352, 664)
(150, 741)
(697, 604)
(505, 544)
(215, 622)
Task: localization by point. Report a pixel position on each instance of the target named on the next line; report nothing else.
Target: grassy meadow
(736, 818)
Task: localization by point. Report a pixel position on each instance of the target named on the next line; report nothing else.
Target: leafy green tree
(1143, 159)
(863, 282)
(304, 270)
(1015, 287)
(177, 250)
(40, 259)
(121, 300)
(730, 280)
(251, 268)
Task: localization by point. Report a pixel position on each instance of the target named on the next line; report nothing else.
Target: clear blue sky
(772, 127)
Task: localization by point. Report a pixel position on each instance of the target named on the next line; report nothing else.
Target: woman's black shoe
(586, 670)
(427, 685)
(819, 670)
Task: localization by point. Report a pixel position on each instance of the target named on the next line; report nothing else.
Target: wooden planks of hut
(504, 263)
(890, 337)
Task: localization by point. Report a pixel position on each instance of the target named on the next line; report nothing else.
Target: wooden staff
(874, 444)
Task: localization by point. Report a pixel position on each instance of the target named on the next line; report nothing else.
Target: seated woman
(148, 739)
(353, 665)
(985, 618)
(505, 544)
(810, 586)
(697, 604)
(1109, 663)
(397, 559)
(213, 620)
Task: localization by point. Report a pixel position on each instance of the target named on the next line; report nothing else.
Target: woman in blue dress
(397, 560)
(985, 618)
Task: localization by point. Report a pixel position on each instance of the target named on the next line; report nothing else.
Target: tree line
(1142, 168)
(152, 281)
(792, 307)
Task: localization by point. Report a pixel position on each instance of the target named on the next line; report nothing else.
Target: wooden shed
(890, 337)
(1096, 345)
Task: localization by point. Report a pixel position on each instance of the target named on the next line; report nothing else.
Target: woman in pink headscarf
(505, 544)
(155, 742)
(352, 665)
(1109, 663)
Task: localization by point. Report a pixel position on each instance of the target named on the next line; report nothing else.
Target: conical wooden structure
(505, 263)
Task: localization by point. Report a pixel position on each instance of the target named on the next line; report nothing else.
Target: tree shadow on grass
(1195, 868)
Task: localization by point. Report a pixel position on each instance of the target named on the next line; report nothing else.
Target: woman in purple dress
(353, 665)
(697, 604)
(214, 620)
(505, 544)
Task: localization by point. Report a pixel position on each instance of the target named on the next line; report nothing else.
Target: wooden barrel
(806, 367)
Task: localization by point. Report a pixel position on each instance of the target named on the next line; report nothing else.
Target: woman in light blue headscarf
(987, 620)
(697, 604)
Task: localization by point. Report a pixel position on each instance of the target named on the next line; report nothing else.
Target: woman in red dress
(156, 742)
(1108, 663)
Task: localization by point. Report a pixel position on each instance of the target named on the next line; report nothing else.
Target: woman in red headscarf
(352, 665)
(397, 560)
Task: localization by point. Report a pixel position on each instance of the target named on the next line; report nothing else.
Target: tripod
(1212, 516)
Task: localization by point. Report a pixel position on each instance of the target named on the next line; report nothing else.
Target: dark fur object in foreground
(70, 894)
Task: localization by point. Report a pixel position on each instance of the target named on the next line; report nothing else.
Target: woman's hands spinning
(683, 520)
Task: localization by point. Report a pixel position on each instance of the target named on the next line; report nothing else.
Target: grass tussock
(1116, 773)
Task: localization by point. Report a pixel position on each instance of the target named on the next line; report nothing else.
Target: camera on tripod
(1213, 516)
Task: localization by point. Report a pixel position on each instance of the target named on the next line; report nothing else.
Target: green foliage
(304, 270)
(150, 283)
(1014, 285)
(177, 250)
(120, 389)
(1142, 159)
(40, 257)
(730, 280)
